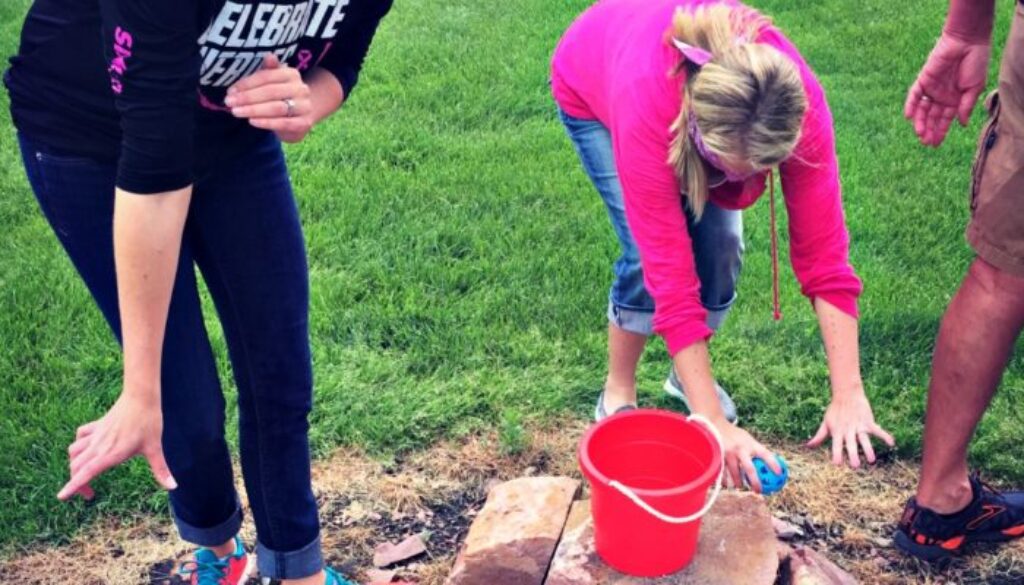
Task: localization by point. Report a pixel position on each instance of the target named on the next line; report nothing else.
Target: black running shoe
(991, 516)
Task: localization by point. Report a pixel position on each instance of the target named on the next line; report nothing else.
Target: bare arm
(971, 19)
(849, 418)
(147, 241)
(693, 365)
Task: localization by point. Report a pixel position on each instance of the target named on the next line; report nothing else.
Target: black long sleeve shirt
(143, 82)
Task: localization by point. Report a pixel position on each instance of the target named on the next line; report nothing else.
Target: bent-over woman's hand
(851, 423)
(129, 428)
(740, 448)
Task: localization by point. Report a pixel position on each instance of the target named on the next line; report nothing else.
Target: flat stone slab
(737, 546)
(807, 567)
(513, 538)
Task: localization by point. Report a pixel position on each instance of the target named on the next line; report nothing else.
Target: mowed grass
(460, 259)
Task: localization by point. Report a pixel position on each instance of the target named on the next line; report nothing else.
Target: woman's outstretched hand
(851, 423)
(131, 427)
(739, 451)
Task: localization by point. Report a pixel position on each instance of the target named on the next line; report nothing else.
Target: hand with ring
(947, 87)
(275, 98)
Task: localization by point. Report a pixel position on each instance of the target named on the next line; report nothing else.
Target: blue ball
(771, 483)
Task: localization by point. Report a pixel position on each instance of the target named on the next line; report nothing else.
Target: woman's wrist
(848, 389)
(143, 390)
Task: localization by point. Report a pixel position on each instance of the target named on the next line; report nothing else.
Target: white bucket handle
(707, 505)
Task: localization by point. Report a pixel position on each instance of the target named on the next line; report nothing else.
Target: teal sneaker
(674, 387)
(207, 569)
(335, 578)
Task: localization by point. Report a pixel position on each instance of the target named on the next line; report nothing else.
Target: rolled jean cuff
(638, 321)
(212, 536)
(297, 564)
(718, 313)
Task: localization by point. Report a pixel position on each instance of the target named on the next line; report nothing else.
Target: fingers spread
(837, 450)
(819, 437)
(881, 433)
(865, 443)
(852, 450)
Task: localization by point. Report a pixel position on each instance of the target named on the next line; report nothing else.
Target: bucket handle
(707, 505)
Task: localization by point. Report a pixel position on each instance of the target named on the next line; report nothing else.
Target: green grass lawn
(460, 259)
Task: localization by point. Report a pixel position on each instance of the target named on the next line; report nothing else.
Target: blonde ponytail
(748, 101)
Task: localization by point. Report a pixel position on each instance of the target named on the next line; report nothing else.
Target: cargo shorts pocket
(986, 142)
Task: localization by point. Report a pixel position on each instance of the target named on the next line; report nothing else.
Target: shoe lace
(207, 572)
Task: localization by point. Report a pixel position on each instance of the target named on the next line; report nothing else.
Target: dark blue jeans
(243, 234)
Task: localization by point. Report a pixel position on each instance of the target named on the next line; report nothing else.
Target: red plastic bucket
(649, 472)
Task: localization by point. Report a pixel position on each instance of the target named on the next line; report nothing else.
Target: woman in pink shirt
(679, 110)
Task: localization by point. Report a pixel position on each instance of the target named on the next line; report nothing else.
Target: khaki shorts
(996, 230)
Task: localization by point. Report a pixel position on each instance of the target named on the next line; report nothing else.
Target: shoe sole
(934, 553)
(674, 393)
(930, 554)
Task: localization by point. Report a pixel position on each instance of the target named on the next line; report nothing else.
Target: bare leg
(624, 351)
(975, 341)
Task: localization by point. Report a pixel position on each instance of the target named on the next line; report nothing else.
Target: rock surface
(806, 567)
(737, 547)
(513, 538)
(389, 554)
(786, 530)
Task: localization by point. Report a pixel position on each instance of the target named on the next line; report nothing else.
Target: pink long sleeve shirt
(613, 65)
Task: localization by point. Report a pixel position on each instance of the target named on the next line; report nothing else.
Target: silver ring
(291, 107)
(925, 98)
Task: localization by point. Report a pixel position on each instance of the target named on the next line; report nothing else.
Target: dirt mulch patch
(848, 516)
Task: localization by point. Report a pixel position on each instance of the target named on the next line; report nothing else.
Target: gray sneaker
(600, 413)
(675, 388)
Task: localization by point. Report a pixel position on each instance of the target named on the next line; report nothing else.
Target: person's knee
(720, 267)
(996, 283)
(628, 290)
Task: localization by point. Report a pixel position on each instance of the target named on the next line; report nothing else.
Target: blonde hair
(748, 101)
